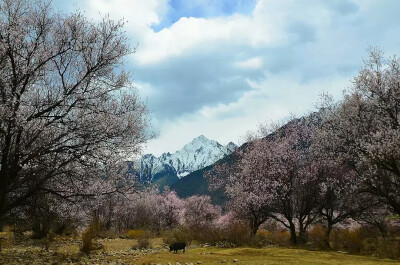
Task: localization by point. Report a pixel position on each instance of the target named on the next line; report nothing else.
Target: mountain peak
(230, 147)
(197, 154)
(201, 139)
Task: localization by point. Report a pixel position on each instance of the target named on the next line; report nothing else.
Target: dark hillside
(196, 184)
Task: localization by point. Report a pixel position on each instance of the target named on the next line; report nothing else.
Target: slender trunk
(255, 223)
(383, 229)
(293, 236)
(40, 229)
(328, 231)
(302, 239)
(254, 229)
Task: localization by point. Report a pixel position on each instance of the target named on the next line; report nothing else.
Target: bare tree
(68, 111)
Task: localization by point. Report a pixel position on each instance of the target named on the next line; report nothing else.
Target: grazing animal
(177, 246)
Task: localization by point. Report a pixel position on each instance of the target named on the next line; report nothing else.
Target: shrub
(388, 248)
(369, 246)
(347, 240)
(237, 234)
(281, 238)
(209, 234)
(50, 238)
(65, 227)
(176, 235)
(88, 235)
(142, 237)
(316, 236)
(6, 239)
(265, 236)
(143, 242)
(136, 234)
(110, 234)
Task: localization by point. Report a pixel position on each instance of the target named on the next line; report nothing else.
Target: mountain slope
(196, 184)
(169, 168)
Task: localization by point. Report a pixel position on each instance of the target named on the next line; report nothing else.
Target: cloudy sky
(220, 67)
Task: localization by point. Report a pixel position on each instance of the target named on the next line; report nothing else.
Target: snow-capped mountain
(197, 154)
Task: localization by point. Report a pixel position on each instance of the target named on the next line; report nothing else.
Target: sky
(221, 67)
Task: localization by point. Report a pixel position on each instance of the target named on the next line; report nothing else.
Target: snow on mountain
(197, 154)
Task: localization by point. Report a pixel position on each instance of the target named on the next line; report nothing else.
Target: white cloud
(252, 63)
(285, 52)
(275, 99)
(140, 15)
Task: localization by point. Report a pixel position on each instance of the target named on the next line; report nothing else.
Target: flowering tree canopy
(66, 114)
(363, 130)
(275, 178)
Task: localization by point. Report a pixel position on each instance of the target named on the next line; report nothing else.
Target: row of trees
(154, 211)
(342, 162)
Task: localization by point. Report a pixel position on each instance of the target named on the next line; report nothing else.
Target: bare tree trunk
(328, 231)
(302, 239)
(293, 235)
(383, 229)
(254, 227)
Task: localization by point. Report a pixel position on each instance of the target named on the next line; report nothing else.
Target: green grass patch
(270, 256)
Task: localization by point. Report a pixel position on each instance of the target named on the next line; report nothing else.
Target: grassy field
(122, 251)
(250, 256)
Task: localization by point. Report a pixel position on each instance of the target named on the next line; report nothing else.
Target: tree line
(339, 163)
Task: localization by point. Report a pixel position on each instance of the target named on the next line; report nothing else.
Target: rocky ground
(66, 251)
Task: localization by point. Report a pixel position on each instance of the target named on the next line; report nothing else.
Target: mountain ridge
(196, 184)
(169, 168)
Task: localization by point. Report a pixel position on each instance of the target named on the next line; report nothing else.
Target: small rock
(224, 261)
(199, 262)
(177, 263)
(169, 263)
(235, 260)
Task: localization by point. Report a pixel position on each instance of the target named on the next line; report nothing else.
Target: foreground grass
(250, 256)
(122, 251)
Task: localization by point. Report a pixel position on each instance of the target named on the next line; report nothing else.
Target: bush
(263, 237)
(316, 237)
(176, 235)
(65, 227)
(143, 242)
(388, 248)
(237, 234)
(88, 235)
(347, 240)
(369, 246)
(209, 234)
(6, 239)
(267, 237)
(142, 237)
(134, 234)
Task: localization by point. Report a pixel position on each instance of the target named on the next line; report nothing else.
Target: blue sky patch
(204, 9)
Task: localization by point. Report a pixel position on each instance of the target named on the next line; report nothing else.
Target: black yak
(177, 246)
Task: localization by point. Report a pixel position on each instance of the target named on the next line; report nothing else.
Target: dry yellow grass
(251, 256)
(119, 251)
